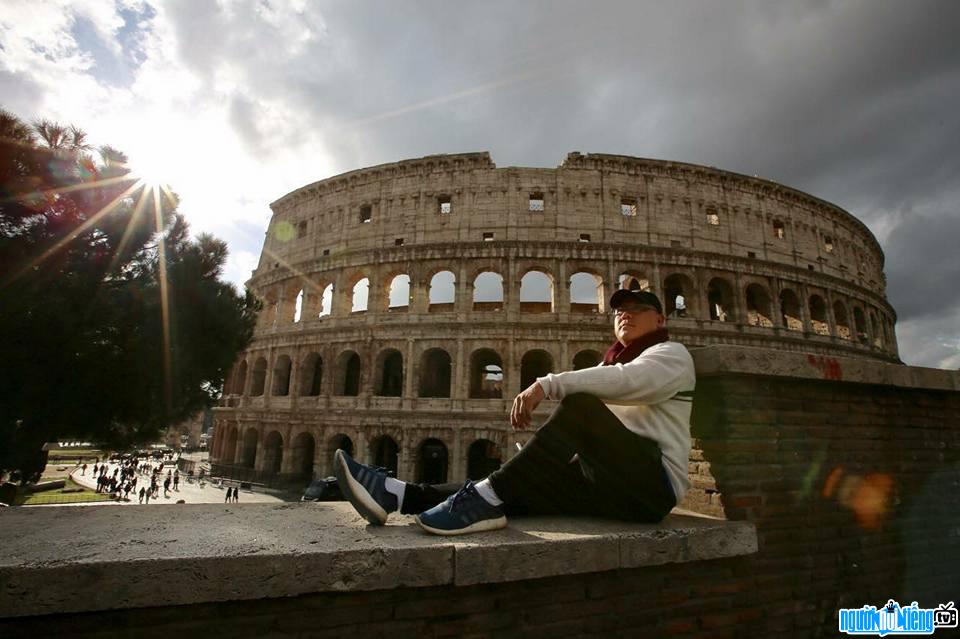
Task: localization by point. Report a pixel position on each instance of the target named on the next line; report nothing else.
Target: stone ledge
(752, 360)
(59, 560)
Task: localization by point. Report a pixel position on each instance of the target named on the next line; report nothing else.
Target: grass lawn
(73, 454)
(56, 497)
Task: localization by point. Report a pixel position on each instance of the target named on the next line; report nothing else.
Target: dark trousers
(617, 474)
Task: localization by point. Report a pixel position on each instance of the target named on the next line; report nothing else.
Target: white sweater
(643, 395)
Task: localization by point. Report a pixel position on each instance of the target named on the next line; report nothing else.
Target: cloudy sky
(235, 103)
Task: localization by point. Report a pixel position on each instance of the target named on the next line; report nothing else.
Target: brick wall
(852, 488)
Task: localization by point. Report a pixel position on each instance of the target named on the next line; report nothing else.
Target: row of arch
(297, 458)
(434, 378)
(754, 305)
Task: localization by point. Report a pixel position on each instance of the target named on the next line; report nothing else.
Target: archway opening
(790, 310)
(758, 306)
(534, 364)
(586, 359)
(483, 457)
(435, 369)
(586, 293)
(391, 374)
(488, 292)
(536, 293)
(432, 462)
(385, 453)
(486, 374)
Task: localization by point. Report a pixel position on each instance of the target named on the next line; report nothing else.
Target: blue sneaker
(365, 488)
(463, 512)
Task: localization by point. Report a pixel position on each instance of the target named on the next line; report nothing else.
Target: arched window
(758, 306)
(875, 326)
(281, 376)
(586, 293)
(298, 307)
(483, 458)
(361, 291)
(385, 452)
(790, 310)
(432, 462)
(633, 282)
(272, 453)
(536, 293)
(678, 293)
(486, 374)
(586, 359)
(248, 454)
(488, 292)
(311, 375)
(434, 373)
(229, 448)
(400, 293)
(842, 322)
(534, 364)
(259, 377)
(720, 300)
(303, 452)
(818, 315)
(861, 323)
(340, 442)
(443, 291)
(348, 374)
(326, 301)
(390, 373)
(239, 378)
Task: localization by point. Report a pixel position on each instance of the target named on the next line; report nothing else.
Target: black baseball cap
(644, 298)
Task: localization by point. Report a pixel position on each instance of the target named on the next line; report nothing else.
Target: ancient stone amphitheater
(406, 304)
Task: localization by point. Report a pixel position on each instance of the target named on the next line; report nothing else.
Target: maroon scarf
(620, 354)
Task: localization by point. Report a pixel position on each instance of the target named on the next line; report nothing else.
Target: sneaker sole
(480, 526)
(358, 496)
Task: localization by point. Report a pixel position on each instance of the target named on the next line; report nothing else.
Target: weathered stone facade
(423, 383)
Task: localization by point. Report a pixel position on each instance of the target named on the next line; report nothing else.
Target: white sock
(485, 488)
(395, 487)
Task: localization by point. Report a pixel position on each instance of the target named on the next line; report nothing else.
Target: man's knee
(581, 402)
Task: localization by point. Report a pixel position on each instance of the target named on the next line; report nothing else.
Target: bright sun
(154, 163)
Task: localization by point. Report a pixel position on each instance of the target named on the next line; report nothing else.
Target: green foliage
(115, 323)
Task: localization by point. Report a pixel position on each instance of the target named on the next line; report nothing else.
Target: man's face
(631, 321)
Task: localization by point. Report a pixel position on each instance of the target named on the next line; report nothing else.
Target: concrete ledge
(59, 560)
(726, 360)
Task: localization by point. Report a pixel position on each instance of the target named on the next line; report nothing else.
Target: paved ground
(190, 493)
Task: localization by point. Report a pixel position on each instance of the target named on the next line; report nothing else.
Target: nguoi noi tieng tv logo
(894, 620)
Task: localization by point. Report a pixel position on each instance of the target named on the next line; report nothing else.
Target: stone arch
(860, 323)
(432, 462)
(534, 363)
(239, 378)
(340, 441)
(228, 450)
(272, 453)
(259, 377)
(302, 454)
(720, 300)
(758, 306)
(790, 310)
(536, 292)
(360, 298)
(677, 287)
(389, 373)
(398, 293)
(348, 374)
(633, 280)
(486, 374)
(586, 292)
(248, 452)
(435, 373)
(586, 359)
(311, 375)
(488, 291)
(483, 457)
(818, 315)
(443, 291)
(326, 301)
(385, 452)
(298, 307)
(841, 320)
(281, 376)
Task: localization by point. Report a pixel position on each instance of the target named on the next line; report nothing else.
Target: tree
(114, 323)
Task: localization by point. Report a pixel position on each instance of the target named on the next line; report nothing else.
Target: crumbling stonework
(422, 383)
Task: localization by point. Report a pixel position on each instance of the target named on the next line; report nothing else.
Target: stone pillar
(458, 390)
(464, 300)
(408, 390)
(456, 468)
(561, 289)
(805, 308)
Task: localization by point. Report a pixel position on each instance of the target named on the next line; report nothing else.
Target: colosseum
(406, 304)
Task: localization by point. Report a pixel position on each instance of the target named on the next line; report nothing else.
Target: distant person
(166, 486)
(142, 493)
(236, 494)
(83, 469)
(147, 497)
(226, 499)
(176, 480)
(681, 305)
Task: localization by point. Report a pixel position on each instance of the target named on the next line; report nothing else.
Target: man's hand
(524, 404)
